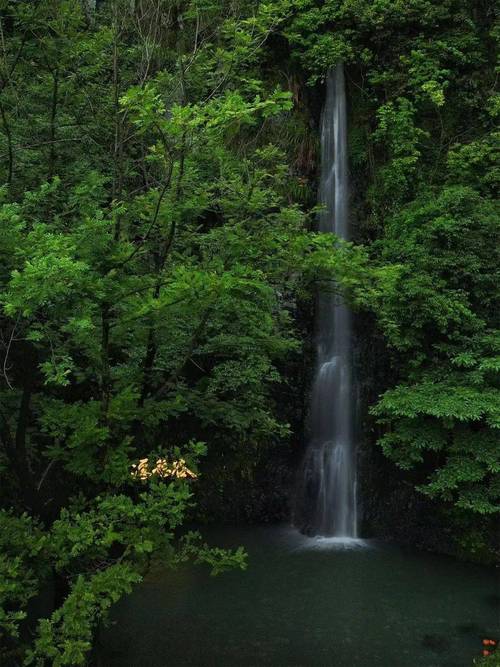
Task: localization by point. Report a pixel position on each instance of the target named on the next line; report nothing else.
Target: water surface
(310, 603)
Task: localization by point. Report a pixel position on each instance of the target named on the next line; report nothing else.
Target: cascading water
(326, 503)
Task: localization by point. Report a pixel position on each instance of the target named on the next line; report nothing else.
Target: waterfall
(326, 503)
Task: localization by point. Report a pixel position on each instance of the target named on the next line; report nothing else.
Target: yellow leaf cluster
(162, 468)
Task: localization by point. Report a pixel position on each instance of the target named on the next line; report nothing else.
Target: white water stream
(327, 491)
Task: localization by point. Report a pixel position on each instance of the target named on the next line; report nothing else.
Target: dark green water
(309, 606)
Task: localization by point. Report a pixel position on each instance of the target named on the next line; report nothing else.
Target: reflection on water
(310, 603)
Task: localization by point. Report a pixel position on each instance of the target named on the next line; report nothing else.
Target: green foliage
(219, 560)
(22, 566)
(492, 660)
(154, 244)
(441, 316)
(66, 638)
(151, 259)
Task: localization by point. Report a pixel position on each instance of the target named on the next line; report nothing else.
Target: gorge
(249, 269)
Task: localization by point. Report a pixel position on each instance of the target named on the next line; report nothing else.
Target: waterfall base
(326, 543)
(327, 495)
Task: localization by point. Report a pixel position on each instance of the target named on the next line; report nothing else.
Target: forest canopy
(158, 252)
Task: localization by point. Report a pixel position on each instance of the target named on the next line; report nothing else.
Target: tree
(149, 254)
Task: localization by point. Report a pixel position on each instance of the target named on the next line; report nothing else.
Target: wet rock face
(390, 507)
